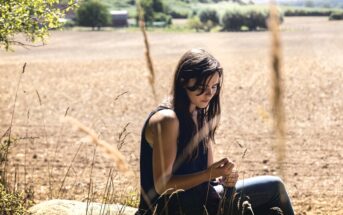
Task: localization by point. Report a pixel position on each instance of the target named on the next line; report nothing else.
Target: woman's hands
(221, 168)
(224, 168)
(231, 179)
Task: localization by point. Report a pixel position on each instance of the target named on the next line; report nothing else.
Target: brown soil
(80, 73)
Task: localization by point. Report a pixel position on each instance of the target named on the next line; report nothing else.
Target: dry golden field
(82, 73)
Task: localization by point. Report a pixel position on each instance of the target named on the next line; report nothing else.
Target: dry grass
(148, 58)
(277, 86)
(84, 72)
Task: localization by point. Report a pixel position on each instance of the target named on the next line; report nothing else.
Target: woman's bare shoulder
(165, 117)
(168, 122)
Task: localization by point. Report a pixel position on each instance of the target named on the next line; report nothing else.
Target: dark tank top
(191, 201)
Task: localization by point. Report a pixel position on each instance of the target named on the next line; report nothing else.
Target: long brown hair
(200, 65)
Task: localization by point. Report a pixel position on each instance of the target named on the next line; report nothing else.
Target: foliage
(302, 11)
(154, 11)
(256, 20)
(92, 13)
(232, 21)
(11, 203)
(195, 23)
(177, 9)
(205, 20)
(147, 10)
(336, 16)
(33, 18)
(235, 20)
(209, 15)
(162, 17)
(233, 17)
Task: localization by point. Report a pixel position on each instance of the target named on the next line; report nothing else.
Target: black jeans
(264, 192)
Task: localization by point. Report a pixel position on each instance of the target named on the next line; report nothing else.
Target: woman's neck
(194, 115)
(192, 109)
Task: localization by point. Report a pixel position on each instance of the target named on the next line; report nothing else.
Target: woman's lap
(264, 192)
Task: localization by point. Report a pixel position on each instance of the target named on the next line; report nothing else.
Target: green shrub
(209, 15)
(179, 14)
(194, 23)
(162, 17)
(155, 12)
(256, 20)
(336, 16)
(246, 18)
(298, 11)
(177, 9)
(233, 21)
(11, 203)
(93, 14)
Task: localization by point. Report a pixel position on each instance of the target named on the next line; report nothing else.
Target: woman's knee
(276, 183)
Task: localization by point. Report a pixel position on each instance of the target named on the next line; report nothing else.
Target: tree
(209, 15)
(145, 7)
(93, 13)
(153, 10)
(33, 18)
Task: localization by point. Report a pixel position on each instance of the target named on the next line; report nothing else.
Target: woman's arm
(210, 154)
(165, 130)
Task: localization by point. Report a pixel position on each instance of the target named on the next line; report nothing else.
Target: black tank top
(191, 201)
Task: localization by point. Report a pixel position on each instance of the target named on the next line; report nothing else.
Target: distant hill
(307, 3)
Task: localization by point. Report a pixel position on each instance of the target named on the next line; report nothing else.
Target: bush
(251, 19)
(11, 203)
(177, 9)
(307, 12)
(154, 11)
(179, 14)
(194, 23)
(162, 17)
(93, 14)
(256, 19)
(232, 21)
(336, 16)
(209, 15)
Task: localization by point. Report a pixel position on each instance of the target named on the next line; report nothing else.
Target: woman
(176, 163)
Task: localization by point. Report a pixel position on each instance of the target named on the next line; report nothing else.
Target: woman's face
(210, 89)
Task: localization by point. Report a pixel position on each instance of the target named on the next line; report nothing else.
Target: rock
(71, 207)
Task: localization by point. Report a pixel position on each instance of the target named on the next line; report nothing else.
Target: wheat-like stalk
(109, 150)
(148, 58)
(3, 170)
(277, 88)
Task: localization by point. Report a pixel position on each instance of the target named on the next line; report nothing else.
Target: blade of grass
(277, 88)
(109, 150)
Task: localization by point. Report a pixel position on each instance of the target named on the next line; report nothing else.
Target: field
(100, 78)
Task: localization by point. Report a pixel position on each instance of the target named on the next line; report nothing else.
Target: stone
(72, 207)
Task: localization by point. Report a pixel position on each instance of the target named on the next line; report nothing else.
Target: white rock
(71, 207)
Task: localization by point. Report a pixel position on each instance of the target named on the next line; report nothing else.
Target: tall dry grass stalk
(50, 176)
(111, 151)
(277, 87)
(3, 170)
(90, 187)
(148, 58)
